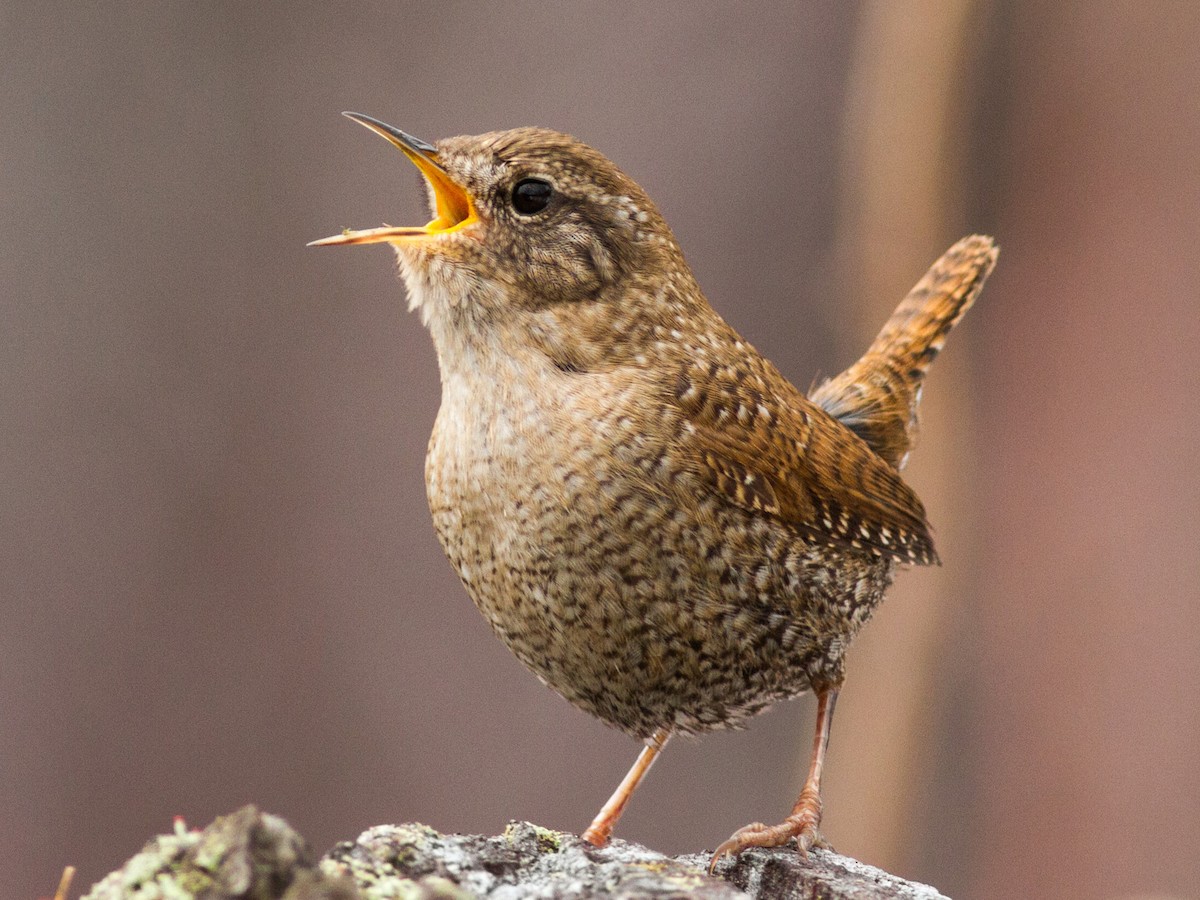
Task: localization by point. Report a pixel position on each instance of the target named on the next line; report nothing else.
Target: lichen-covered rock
(252, 856)
(524, 863)
(247, 855)
(783, 874)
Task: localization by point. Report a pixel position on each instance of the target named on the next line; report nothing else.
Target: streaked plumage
(655, 521)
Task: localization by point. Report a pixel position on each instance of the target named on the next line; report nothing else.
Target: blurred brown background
(218, 579)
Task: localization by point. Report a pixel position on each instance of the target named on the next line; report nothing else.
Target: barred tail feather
(877, 397)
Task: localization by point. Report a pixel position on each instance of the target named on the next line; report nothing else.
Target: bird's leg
(805, 817)
(602, 826)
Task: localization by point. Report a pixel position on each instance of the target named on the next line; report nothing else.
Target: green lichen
(374, 884)
(548, 841)
(209, 854)
(157, 873)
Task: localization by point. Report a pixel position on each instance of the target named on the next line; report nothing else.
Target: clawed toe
(737, 842)
(802, 828)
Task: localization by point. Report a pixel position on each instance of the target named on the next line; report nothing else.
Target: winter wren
(651, 517)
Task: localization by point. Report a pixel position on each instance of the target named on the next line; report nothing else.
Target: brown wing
(751, 437)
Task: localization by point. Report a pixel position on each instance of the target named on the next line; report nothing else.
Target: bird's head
(528, 225)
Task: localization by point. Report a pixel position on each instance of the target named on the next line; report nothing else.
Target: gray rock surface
(250, 855)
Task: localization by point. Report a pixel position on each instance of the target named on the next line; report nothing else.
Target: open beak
(453, 206)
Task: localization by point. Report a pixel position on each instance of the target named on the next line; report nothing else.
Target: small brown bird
(652, 518)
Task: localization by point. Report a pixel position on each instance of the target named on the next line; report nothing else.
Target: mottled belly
(646, 613)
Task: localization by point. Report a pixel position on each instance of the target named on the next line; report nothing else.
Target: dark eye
(531, 196)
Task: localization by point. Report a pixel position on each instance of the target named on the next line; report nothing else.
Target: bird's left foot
(801, 825)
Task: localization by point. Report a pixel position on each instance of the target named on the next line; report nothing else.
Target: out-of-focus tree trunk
(903, 203)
